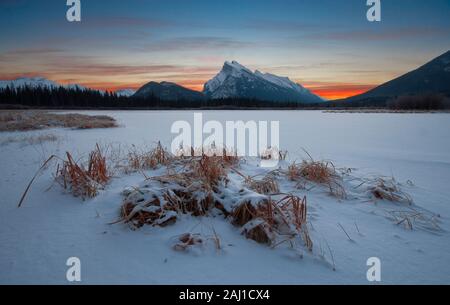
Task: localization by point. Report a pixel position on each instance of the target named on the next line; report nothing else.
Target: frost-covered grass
(410, 237)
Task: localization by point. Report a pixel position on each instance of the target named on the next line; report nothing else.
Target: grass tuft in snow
(268, 220)
(317, 172)
(144, 160)
(388, 189)
(84, 180)
(267, 185)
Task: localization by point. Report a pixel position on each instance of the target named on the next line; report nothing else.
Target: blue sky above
(326, 45)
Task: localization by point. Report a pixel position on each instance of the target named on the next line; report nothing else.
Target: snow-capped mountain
(31, 82)
(37, 82)
(237, 81)
(125, 92)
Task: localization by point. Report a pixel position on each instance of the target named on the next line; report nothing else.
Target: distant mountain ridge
(168, 91)
(431, 78)
(32, 82)
(42, 82)
(237, 81)
(233, 81)
(125, 92)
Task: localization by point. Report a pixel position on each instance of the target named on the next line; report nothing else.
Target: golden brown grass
(267, 219)
(195, 189)
(147, 213)
(145, 160)
(188, 201)
(260, 232)
(318, 172)
(32, 120)
(267, 185)
(84, 181)
(211, 170)
(246, 211)
(192, 191)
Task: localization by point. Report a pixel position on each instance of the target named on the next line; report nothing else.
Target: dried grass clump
(180, 193)
(192, 200)
(246, 211)
(149, 212)
(32, 120)
(143, 207)
(211, 170)
(84, 181)
(268, 185)
(259, 231)
(138, 160)
(319, 172)
(82, 121)
(389, 189)
(268, 219)
(230, 158)
(198, 188)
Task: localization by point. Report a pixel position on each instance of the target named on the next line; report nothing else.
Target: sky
(327, 46)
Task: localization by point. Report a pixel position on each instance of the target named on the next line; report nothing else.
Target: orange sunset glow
(329, 91)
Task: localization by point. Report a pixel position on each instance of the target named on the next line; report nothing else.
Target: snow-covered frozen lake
(37, 239)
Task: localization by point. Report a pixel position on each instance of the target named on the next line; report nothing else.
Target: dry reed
(318, 172)
(389, 189)
(267, 219)
(145, 160)
(84, 181)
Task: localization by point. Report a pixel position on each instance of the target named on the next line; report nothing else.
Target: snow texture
(51, 226)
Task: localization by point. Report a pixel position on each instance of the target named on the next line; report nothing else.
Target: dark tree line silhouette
(73, 98)
(77, 98)
(422, 102)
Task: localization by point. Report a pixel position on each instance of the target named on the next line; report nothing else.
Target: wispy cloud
(280, 25)
(92, 69)
(381, 35)
(117, 21)
(196, 43)
(33, 51)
